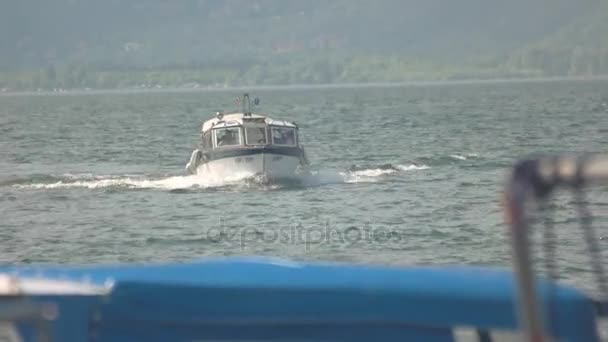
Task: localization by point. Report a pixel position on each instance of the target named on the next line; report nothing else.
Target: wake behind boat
(246, 144)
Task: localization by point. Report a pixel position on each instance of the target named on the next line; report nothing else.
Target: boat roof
(237, 119)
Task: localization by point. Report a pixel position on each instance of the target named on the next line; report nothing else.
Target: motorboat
(246, 144)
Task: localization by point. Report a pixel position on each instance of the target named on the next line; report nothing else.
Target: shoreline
(110, 91)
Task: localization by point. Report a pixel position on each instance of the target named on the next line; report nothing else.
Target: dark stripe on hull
(238, 152)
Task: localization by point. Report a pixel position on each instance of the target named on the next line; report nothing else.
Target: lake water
(402, 175)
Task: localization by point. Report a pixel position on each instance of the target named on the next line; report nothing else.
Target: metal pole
(537, 178)
(528, 310)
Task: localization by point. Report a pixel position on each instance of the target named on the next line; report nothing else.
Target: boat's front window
(227, 136)
(283, 136)
(255, 135)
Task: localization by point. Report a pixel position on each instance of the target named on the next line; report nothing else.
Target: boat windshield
(255, 135)
(284, 136)
(227, 136)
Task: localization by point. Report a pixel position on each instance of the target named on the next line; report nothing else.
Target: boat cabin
(247, 130)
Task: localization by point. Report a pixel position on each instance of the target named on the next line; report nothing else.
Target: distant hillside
(578, 49)
(125, 43)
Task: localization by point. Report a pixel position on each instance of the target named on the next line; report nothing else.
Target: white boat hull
(268, 165)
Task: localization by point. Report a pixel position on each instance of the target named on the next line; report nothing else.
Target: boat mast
(246, 102)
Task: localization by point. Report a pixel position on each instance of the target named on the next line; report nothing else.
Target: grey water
(404, 175)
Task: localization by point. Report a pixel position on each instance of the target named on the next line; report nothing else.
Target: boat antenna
(246, 102)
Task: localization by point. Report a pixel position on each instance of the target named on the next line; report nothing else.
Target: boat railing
(536, 179)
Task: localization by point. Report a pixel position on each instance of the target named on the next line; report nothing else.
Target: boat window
(255, 135)
(227, 136)
(283, 136)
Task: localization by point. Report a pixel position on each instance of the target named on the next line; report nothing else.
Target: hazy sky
(158, 32)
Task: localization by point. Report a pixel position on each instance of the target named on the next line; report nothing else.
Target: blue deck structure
(237, 299)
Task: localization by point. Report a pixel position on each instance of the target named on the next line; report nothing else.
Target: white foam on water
(374, 174)
(371, 172)
(137, 182)
(465, 156)
(412, 167)
(125, 182)
(313, 178)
